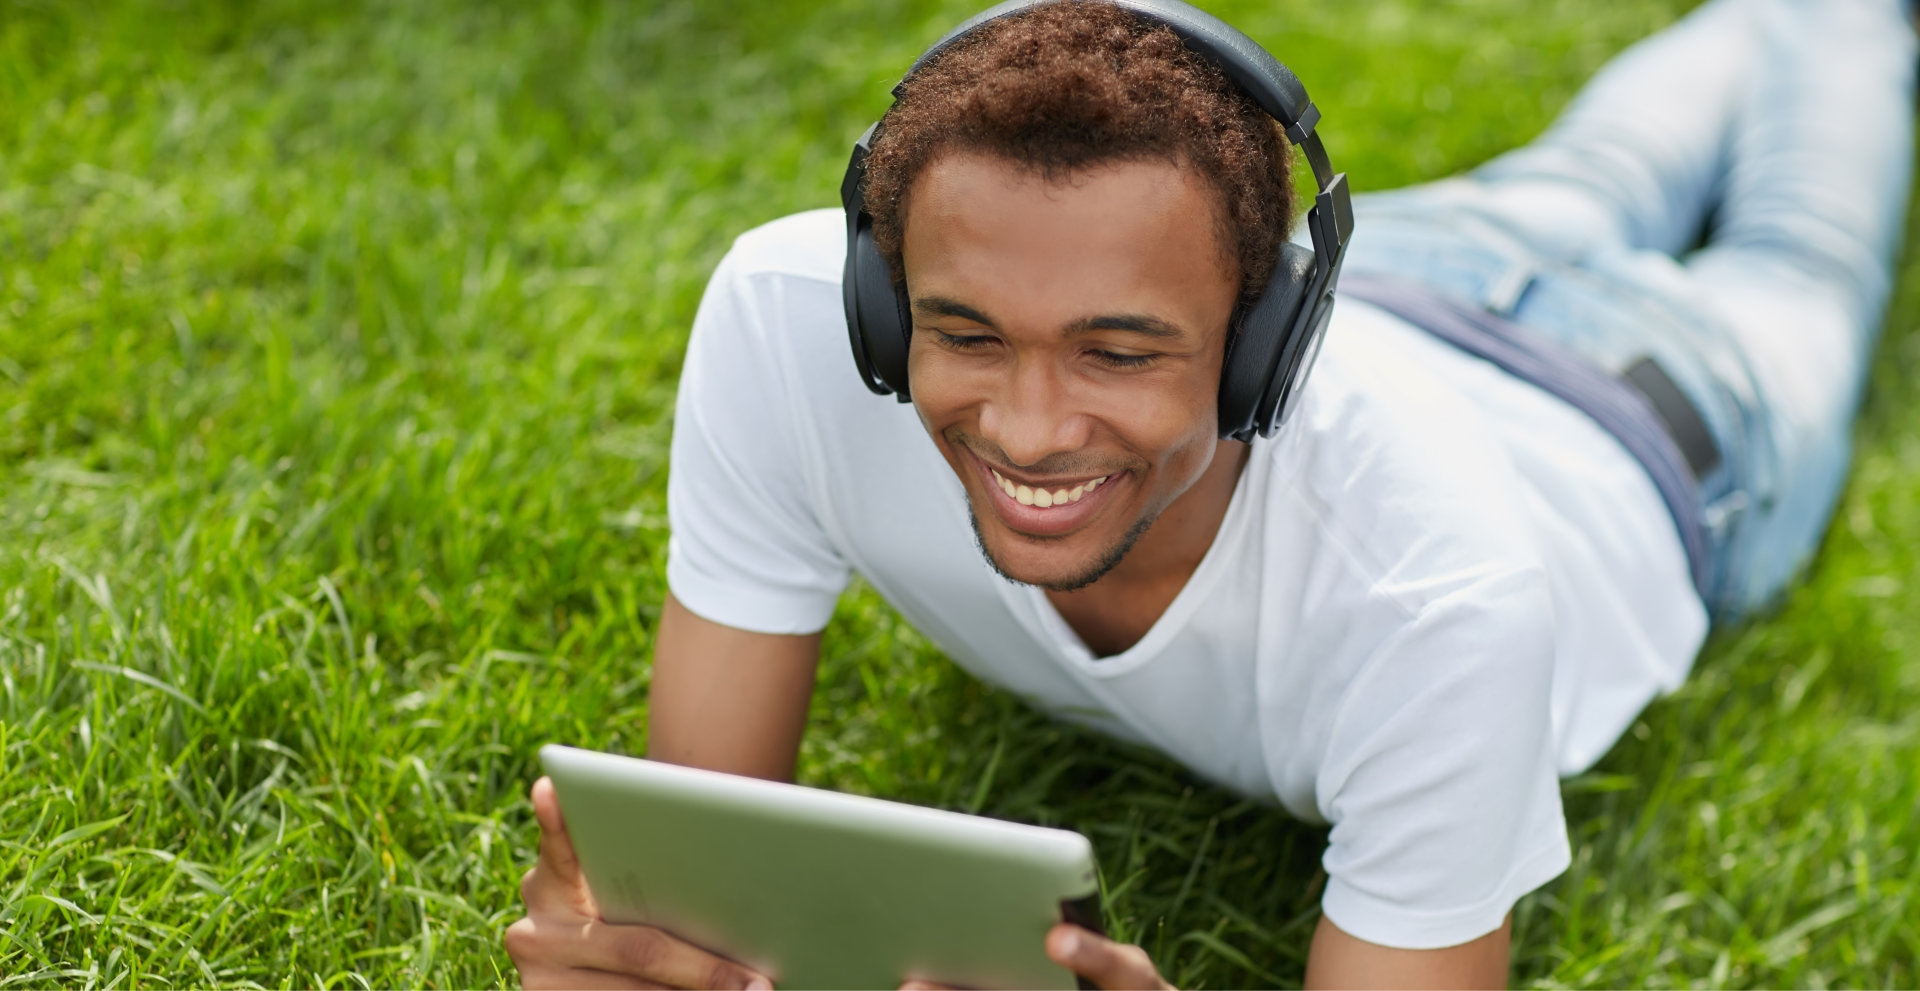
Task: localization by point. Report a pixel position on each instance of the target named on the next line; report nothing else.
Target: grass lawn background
(337, 350)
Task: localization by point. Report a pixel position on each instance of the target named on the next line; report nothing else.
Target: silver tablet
(818, 889)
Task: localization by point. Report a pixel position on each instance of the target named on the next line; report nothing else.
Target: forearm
(727, 699)
(1340, 960)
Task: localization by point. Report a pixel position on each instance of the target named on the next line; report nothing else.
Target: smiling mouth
(1042, 498)
(1046, 511)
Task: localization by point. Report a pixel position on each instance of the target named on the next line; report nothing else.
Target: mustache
(1062, 463)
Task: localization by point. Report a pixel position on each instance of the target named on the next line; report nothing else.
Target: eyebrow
(1142, 324)
(942, 306)
(1130, 322)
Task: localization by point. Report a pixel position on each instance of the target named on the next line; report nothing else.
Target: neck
(1113, 613)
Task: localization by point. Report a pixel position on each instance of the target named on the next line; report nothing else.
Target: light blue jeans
(1726, 197)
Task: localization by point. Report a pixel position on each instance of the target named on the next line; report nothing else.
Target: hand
(1108, 964)
(562, 942)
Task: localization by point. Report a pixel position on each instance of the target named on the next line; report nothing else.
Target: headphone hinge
(1300, 130)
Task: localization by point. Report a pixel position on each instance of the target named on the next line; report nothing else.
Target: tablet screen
(822, 889)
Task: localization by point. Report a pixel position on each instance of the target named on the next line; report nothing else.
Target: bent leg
(1633, 164)
(1637, 159)
(1790, 122)
(1800, 264)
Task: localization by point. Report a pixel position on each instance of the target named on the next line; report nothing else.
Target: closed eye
(962, 342)
(1114, 359)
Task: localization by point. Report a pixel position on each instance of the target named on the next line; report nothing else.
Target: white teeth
(1044, 498)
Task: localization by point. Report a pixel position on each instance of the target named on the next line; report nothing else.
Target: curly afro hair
(1077, 83)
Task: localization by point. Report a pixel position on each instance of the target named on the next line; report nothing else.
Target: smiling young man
(1550, 434)
(1068, 374)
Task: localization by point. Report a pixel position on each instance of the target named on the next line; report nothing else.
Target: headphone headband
(1279, 335)
(1251, 67)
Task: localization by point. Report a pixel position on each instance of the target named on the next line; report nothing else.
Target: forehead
(1139, 235)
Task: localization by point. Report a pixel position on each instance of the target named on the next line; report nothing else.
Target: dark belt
(1641, 407)
(1682, 421)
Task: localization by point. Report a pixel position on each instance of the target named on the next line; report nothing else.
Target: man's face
(1066, 350)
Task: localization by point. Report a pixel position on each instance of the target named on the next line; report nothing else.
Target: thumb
(556, 847)
(1106, 963)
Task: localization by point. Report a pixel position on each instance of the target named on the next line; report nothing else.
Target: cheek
(1188, 456)
(939, 392)
(1175, 425)
(1170, 415)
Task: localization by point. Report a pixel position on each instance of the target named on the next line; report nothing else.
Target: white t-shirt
(1434, 590)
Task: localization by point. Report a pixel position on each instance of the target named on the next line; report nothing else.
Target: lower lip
(1052, 521)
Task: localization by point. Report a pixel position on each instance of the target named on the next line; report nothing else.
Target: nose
(1033, 414)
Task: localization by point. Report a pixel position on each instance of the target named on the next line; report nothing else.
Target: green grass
(336, 355)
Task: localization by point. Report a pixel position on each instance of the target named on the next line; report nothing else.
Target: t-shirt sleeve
(747, 549)
(1439, 777)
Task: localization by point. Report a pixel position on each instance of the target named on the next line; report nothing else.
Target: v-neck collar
(1031, 604)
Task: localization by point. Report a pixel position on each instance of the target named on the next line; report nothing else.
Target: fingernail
(1069, 944)
(759, 984)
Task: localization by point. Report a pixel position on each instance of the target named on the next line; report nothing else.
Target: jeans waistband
(1642, 409)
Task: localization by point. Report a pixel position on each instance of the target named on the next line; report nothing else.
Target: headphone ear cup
(1296, 360)
(883, 313)
(1260, 342)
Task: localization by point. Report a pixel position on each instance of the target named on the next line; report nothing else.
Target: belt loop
(1502, 295)
(1722, 512)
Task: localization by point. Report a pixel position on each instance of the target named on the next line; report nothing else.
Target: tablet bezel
(890, 888)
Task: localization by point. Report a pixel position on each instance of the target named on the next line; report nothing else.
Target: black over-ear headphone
(1279, 334)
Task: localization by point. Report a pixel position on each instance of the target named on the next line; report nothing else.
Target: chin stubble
(1107, 562)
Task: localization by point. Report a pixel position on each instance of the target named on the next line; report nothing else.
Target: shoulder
(772, 309)
(768, 367)
(1405, 565)
(811, 246)
(1412, 700)
(1401, 472)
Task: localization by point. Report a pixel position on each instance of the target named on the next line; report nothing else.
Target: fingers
(542, 978)
(549, 954)
(532, 946)
(1110, 965)
(563, 943)
(660, 957)
(555, 886)
(556, 847)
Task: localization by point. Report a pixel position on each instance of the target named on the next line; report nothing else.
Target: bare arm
(723, 699)
(726, 699)
(1340, 960)
(1336, 960)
